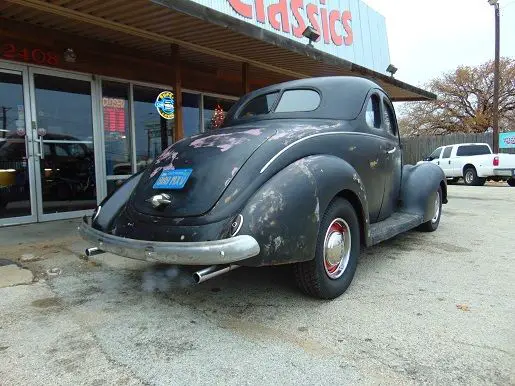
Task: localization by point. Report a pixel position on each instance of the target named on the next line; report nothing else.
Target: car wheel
(511, 182)
(471, 178)
(330, 273)
(432, 224)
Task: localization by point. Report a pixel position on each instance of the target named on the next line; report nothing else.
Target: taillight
(496, 161)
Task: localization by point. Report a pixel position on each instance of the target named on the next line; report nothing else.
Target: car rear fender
(419, 186)
(285, 213)
(107, 211)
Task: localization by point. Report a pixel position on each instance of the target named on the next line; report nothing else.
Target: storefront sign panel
(348, 29)
(507, 140)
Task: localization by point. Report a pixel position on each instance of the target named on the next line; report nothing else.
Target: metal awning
(204, 35)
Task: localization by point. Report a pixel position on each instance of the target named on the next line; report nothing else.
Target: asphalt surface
(423, 308)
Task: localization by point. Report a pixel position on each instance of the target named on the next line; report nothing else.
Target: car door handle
(449, 162)
(391, 151)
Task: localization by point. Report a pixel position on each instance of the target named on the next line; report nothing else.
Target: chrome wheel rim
(437, 208)
(337, 248)
(469, 177)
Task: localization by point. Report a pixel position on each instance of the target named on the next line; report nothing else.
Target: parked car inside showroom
(474, 162)
(305, 173)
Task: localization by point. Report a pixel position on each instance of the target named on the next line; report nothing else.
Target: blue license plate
(172, 179)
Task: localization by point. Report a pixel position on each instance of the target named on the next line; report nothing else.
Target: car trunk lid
(214, 159)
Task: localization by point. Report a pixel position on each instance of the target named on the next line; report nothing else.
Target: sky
(428, 38)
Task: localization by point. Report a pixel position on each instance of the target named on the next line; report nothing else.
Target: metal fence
(416, 148)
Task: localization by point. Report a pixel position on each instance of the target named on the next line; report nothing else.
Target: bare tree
(465, 102)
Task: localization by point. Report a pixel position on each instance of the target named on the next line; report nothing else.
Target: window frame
(442, 156)
(369, 99)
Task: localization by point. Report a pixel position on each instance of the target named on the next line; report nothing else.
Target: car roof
(342, 97)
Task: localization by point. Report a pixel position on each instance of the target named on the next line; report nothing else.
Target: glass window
(298, 100)
(115, 104)
(389, 119)
(60, 151)
(214, 111)
(436, 153)
(447, 152)
(261, 104)
(64, 108)
(153, 133)
(469, 150)
(373, 113)
(190, 114)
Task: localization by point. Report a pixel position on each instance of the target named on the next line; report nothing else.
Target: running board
(398, 222)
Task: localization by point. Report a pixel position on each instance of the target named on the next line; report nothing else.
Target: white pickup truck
(475, 163)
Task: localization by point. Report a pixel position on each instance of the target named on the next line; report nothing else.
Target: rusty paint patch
(373, 164)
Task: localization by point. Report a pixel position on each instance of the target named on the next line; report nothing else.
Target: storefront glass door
(63, 127)
(17, 183)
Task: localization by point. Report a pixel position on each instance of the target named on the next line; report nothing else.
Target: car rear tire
(432, 225)
(511, 182)
(471, 178)
(330, 273)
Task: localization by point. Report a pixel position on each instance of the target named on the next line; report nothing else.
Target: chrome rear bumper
(225, 251)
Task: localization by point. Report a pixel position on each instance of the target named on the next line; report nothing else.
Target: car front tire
(330, 273)
(511, 182)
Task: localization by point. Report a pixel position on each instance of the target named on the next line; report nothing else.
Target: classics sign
(348, 29)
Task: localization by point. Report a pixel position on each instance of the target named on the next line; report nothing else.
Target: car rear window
(260, 105)
(297, 101)
(469, 150)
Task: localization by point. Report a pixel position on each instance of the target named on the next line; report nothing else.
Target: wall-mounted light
(311, 34)
(392, 69)
(69, 55)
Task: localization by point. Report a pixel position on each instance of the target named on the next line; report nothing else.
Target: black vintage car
(304, 173)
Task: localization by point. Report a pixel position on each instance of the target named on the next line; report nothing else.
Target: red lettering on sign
(346, 19)
(324, 20)
(241, 8)
(296, 5)
(334, 16)
(260, 11)
(281, 9)
(36, 55)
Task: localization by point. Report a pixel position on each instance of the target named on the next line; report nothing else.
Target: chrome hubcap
(437, 208)
(469, 177)
(337, 246)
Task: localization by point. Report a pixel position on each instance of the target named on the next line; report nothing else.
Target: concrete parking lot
(423, 308)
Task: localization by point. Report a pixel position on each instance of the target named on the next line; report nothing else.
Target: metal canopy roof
(205, 36)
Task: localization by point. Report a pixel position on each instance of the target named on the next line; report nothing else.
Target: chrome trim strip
(309, 137)
(225, 251)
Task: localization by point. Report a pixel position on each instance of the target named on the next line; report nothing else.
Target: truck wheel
(432, 224)
(511, 182)
(330, 273)
(471, 178)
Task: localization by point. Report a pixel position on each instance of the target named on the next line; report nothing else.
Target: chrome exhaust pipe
(211, 272)
(93, 251)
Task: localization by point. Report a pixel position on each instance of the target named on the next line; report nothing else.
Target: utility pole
(496, 75)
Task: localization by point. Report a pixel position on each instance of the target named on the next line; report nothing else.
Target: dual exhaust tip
(198, 277)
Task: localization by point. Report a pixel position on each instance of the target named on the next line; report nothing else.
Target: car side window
(389, 119)
(447, 152)
(373, 113)
(468, 150)
(436, 153)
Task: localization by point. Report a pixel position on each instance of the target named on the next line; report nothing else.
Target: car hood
(215, 158)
